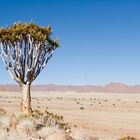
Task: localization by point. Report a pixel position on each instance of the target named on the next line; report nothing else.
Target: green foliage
(19, 32)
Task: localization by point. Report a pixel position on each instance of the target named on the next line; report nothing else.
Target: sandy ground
(107, 116)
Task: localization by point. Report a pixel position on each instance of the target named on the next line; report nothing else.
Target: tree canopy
(19, 32)
(26, 49)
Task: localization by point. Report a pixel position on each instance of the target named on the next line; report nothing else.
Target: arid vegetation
(102, 120)
(40, 125)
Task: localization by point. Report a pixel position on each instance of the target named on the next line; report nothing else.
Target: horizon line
(121, 83)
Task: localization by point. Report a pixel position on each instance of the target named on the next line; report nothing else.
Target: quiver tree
(25, 50)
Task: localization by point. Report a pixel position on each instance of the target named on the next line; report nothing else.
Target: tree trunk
(25, 99)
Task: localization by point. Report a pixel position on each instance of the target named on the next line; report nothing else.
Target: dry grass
(105, 121)
(128, 138)
(41, 125)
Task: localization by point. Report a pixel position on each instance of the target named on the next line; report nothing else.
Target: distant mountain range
(111, 88)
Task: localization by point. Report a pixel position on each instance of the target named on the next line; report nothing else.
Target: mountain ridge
(111, 88)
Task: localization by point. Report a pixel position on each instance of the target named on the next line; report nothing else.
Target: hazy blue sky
(100, 39)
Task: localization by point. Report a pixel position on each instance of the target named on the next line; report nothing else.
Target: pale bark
(25, 99)
(24, 61)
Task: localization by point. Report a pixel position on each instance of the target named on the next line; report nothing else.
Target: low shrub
(128, 138)
(50, 120)
(81, 108)
(31, 126)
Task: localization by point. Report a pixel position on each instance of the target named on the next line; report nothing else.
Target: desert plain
(108, 116)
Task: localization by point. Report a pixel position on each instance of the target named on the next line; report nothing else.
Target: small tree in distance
(25, 50)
